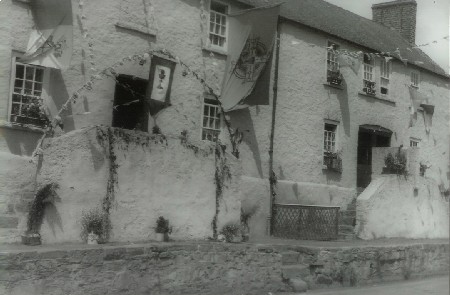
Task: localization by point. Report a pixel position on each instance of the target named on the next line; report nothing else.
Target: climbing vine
(221, 175)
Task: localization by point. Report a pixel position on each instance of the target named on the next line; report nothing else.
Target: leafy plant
(93, 221)
(45, 195)
(162, 226)
(231, 230)
(396, 163)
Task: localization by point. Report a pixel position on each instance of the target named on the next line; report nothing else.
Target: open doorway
(130, 110)
(369, 136)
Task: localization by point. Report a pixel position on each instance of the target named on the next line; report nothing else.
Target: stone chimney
(399, 15)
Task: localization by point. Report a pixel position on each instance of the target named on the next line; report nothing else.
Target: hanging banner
(51, 41)
(160, 83)
(354, 61)
(249, 50)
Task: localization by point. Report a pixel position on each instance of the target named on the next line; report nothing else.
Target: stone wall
(392, 206)
(156, 176)
(212, 268)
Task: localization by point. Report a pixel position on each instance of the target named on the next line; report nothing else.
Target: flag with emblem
(50, 43)
(252, 34)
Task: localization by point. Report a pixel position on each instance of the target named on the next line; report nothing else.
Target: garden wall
(393, 206)
(155, 176)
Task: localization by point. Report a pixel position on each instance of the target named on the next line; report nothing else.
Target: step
(8, 221)
(298, 271)
(347, 237)
(348, 220)
(346, 229)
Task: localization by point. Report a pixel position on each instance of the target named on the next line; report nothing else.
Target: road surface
(430, 286)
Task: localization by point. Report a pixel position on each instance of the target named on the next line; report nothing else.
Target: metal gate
(305, 222)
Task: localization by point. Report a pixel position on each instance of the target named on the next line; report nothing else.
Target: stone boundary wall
(211, 268)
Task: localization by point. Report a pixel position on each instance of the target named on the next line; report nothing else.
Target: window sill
(22, 127)
(334, 86)
(215, 50)
(377, 97)
(136, 28)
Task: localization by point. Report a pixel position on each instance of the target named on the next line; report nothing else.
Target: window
(218, 24)
(415, 79)
(368, 81)
(414, 142)
(211, 120)
(26, 96)
(385, 71)
(332, 63)
(329, 138)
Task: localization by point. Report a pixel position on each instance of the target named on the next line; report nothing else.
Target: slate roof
(334, 20)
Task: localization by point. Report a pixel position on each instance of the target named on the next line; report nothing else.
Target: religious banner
(249, 51)
(160, 83)
(51, 41)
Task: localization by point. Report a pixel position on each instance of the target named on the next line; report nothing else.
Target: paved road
(430, 286)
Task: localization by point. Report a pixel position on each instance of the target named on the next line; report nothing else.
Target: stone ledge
(377, 97)
(136, 28)
(22, 127)
(340, 87)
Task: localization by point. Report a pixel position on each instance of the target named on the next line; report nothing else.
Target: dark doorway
(130, 110)
(369, 136)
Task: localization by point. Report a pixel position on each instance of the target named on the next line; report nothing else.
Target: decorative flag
(160, 83)
(50, 43)
(249, 50)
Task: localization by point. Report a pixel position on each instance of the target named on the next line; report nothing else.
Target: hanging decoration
(161, 76)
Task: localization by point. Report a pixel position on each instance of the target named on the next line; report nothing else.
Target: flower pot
(162, 237)
(31, 240)
(92, 239)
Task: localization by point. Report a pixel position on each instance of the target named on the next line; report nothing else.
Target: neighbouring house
(140, 127)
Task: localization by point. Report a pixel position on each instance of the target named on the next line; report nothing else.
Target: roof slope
(344, 24)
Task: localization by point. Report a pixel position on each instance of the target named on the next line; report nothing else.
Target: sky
(433, 18)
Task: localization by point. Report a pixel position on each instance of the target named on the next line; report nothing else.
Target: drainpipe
(272, 129)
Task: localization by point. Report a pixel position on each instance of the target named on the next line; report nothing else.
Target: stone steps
(293, 272)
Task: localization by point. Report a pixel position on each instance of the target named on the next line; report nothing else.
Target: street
(430, 286)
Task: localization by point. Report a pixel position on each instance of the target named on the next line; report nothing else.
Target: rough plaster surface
(212, 268)
(394, 207)
(155, 179)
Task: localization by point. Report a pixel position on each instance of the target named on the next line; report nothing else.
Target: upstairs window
(385, 71)
(27, 106)
(368, 79)
(334, 76)
(218, 24)
(332, 63)
(415, 79)
(211, 120)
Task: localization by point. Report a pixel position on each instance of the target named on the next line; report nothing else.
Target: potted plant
(369, 87)
(232, 232)
(334, 77)
(333, 161)
(93, 225)
(162, 229)
(44, 197)
(395, 164)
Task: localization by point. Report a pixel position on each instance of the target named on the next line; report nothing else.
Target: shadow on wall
(59, 94)
(242, 119)
(342, 96)
(19, 142)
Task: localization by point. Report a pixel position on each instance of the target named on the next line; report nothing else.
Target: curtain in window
(50, 43)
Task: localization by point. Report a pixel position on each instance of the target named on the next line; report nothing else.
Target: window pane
(37, 86)
(29, 73)
(28, 87)
(39, 75)
(19, 71)
(18, 83)
(15, 109)
(16, 98)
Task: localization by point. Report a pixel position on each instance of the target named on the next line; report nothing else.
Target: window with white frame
(329, 139)
(414, 142)
(415, 78)
(26, 95)
(368, 75)
(211, 120)
(218, 24)
(385, 71)
(332, 55)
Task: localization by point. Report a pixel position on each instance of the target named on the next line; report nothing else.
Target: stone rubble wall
(212, 268)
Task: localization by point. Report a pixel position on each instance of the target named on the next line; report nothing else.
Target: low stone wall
(153, 176)
(211, 268)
